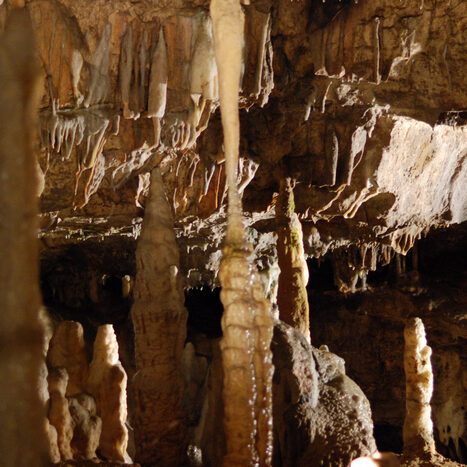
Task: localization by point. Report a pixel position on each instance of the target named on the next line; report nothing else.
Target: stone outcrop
(321, 417)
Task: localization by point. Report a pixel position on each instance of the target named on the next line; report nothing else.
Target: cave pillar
(418, 426)
(246, 322)
(292, 296)
(22, 439)
(159, 320)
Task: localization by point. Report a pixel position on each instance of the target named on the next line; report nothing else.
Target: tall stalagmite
(292, 296)
(418, 427)
(246, 322)
(22, 440)
(159, 320)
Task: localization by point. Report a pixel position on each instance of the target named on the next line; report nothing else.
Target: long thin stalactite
(246, 322)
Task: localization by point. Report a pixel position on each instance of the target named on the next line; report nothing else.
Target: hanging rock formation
(246, 322)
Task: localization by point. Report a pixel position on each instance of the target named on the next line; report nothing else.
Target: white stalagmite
(418, 427)
(107, 383)
(246, 322)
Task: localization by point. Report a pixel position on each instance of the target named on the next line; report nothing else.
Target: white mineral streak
(246, 323)
(418, 427)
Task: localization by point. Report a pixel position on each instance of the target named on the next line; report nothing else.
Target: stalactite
(157, 99)
(418, 427)
(246, 322)
(159, 320)
(107, 383)
(203, 70)
(126, 66)
(99, 82)
(292, 295)
(23, 438)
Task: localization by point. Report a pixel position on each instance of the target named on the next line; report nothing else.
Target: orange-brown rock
(59, 412)
(23, 438)
(67, 350)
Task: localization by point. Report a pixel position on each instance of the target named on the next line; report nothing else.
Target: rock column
(22, 441)
(246, 322)
(418, 427)
(159, 320)
(292, 297)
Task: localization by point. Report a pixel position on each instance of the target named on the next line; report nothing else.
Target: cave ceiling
(362, 104)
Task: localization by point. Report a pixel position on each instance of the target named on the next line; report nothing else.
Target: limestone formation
(418, 426)
(247, 322)
(321, 417)
(59, 413)
(159, 321)
(107, 383)
(23, 438)
(88, 426)
(292, 297)
(67, 350)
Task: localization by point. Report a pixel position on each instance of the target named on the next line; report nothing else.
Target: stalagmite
(88, 426)
(159, 320)
(246, 322)
(22, 439)
(418, 427)
(292, 295)
(157, 98)
(67, 350)
(59, 413)
(107, 383)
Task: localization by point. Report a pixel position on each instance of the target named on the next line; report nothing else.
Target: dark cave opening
(204, 311)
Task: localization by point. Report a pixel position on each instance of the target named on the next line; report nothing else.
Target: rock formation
(159, 320)
(107, 382)
(59, 412)
(246, 323)
(20, 333)
(292, 297)
(67, 350)
(418, 427)
(343, 157)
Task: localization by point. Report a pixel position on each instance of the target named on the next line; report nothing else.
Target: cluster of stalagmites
(86, 407)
